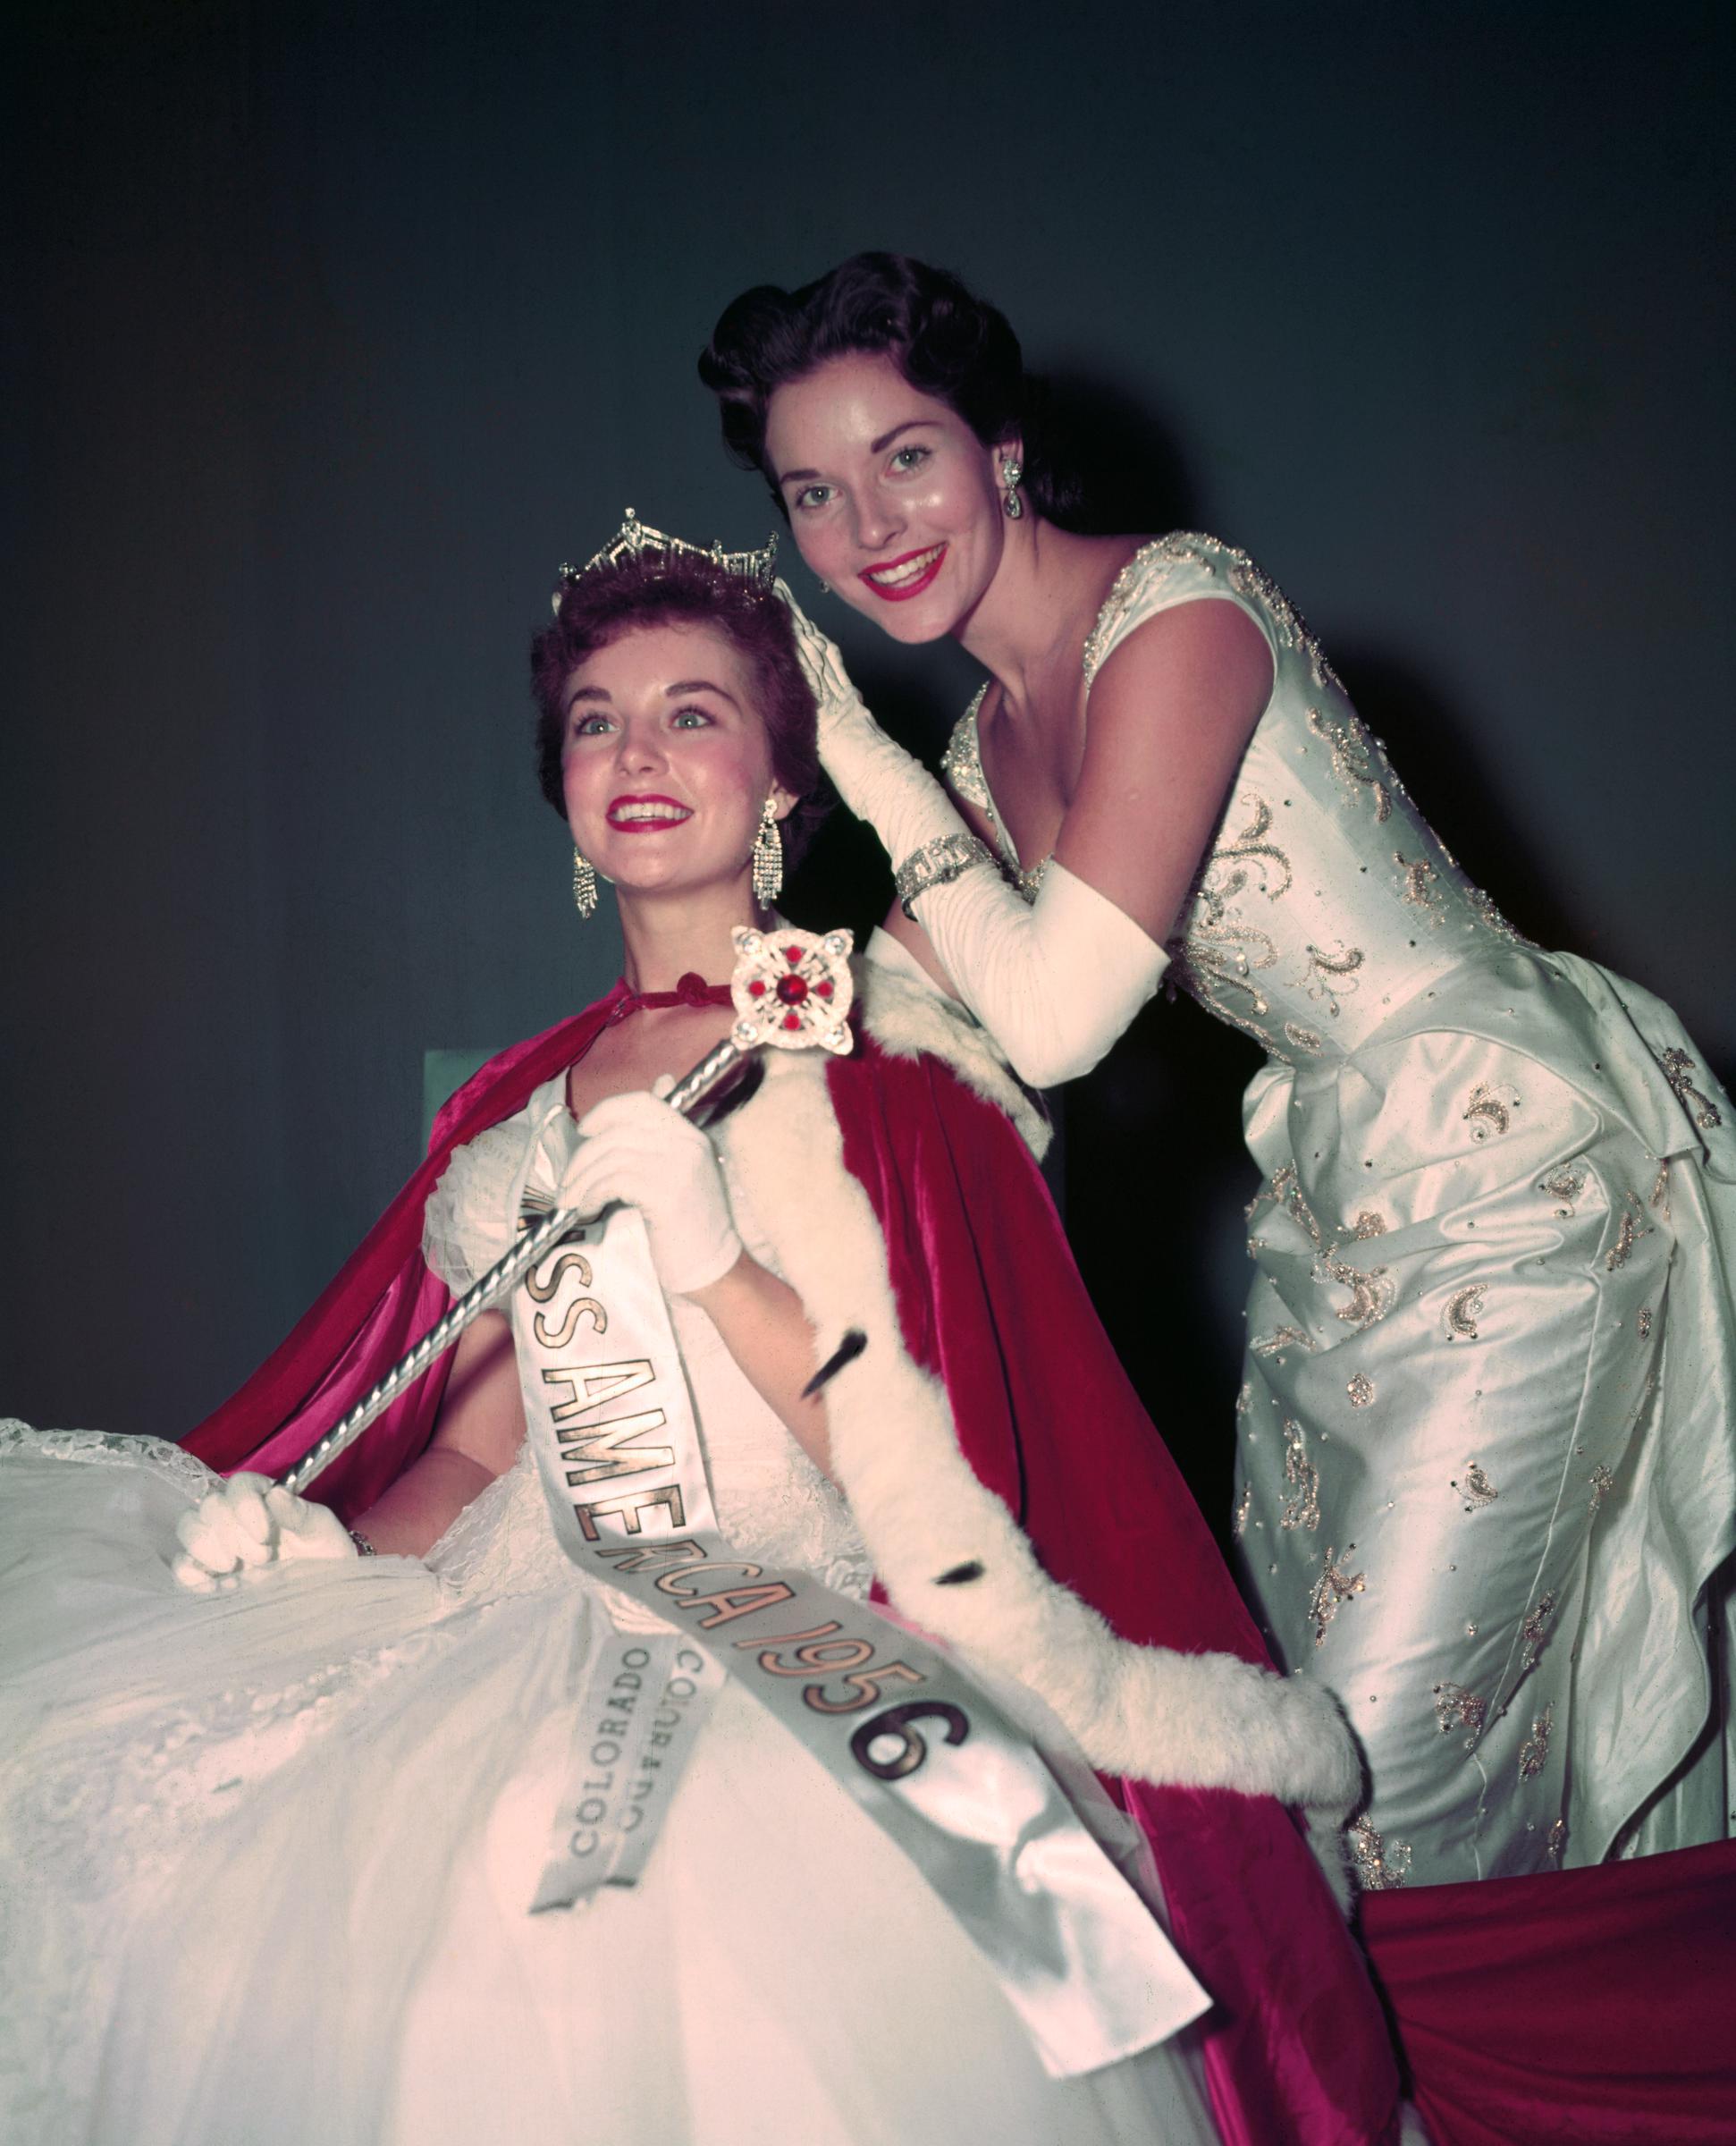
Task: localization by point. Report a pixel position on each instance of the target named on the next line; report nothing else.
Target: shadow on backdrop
(1129, 469)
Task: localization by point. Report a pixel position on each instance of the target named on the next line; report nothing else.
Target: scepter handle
(703, 1080)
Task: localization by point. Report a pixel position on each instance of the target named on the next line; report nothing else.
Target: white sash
(896, 1721)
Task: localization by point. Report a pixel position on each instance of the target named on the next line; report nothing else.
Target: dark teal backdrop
(331, 329)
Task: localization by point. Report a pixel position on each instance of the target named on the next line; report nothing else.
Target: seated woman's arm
(478, 1434)
(1056, 981)
(250, 1522)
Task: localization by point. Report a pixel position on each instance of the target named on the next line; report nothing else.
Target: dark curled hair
(680, 589)
(945, 342)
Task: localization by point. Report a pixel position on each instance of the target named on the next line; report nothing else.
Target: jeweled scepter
(791, 990)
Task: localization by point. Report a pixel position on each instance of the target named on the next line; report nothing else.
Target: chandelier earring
(1012, 474)
(768, 857)
(585, 885)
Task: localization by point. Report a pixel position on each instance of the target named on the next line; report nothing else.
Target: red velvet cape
(1591, 2007)
(1297, 2051)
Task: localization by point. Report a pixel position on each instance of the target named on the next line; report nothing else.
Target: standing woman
(1487, 1467)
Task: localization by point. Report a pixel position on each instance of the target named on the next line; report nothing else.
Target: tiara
(634, 538)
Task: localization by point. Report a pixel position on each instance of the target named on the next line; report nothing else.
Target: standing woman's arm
(1058, 981)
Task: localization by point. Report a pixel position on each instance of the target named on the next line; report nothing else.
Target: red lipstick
(650, 814)
(902, 591)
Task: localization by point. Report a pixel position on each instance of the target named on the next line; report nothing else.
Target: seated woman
(274, 1831)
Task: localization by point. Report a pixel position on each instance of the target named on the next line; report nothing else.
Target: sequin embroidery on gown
(267, 1856)
(1486, 1432)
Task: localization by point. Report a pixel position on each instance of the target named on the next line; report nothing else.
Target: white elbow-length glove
(1054, 981)
(637, 1150)
(249, 1523)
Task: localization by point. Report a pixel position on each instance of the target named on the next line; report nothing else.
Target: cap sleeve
(471, 1216)
(1184, 568)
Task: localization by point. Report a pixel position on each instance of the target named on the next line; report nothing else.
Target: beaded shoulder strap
(1173, 568)
(962, 765)
(961, 762)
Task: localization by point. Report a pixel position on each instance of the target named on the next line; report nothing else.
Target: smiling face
(892, 498)
(665, 763)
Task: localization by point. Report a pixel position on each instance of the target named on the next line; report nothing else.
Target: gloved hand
(249, 1523)
(876, 778)
(835, 697)
(637, 1150)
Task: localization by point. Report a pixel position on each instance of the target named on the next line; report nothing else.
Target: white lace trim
(174, 1464)
(468, 1222)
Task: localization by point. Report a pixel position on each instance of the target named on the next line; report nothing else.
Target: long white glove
(1056, 981)
(249, 1523)
(638, 1150)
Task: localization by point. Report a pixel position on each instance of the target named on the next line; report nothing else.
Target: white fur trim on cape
(1197, 1720)
(908, 1015)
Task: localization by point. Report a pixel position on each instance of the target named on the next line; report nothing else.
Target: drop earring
(768, 858)
(585, 885)
(1012, 474)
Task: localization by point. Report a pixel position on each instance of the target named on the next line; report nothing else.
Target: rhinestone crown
(635, 537)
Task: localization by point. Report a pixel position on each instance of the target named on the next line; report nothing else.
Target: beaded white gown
(1486, 1484)
(266, 1856)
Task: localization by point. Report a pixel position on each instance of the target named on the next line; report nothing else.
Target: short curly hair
(655, 587)
(943, 341)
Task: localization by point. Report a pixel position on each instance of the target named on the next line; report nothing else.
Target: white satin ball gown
(1486, 1433)
(268, 1855)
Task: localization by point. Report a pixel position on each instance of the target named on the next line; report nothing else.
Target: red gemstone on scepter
(792, 989)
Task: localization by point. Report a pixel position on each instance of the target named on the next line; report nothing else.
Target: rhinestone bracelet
(363, 1548)
(934, 865)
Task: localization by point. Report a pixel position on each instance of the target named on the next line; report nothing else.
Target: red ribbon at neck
(690, 990)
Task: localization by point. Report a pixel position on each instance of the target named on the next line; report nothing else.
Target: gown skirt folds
(268, 1855)
(1486, 1481)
